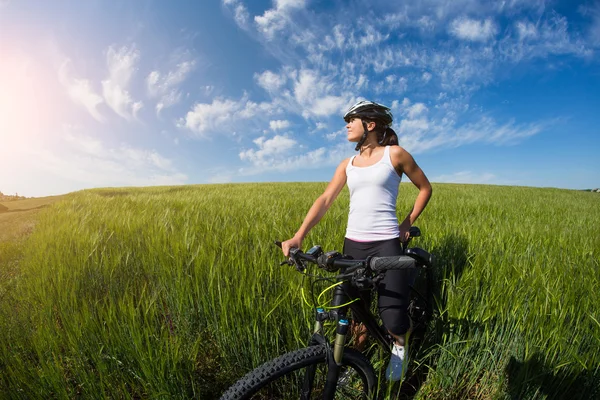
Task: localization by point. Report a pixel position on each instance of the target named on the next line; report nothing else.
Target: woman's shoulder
(396, 150)
(398, 155)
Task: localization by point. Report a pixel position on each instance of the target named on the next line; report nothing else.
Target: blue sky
(137, 93)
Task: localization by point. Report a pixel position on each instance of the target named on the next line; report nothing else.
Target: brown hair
(386, 136)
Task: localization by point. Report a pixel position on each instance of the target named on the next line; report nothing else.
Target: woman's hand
(405, 230)
(288, 244)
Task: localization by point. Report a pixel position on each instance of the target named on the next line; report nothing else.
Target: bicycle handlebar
(333, 261)
(396, 262)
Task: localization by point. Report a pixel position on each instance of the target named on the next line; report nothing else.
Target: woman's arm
(319, 208)
(404, 162)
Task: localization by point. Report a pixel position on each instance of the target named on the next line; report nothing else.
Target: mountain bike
(325, 370)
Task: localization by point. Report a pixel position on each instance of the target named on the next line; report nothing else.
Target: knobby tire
(355, 364)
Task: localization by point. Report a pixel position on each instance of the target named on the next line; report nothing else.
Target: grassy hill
(176, 292)
(17, 217)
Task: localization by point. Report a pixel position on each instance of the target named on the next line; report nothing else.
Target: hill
(177, 291)
(17, 216)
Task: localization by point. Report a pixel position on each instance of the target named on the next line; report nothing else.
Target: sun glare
(27, 109)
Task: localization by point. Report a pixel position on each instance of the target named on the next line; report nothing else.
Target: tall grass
(177, 291)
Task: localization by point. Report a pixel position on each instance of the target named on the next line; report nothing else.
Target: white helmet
(371, 111)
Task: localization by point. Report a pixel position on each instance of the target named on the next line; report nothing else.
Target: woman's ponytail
(388, 137)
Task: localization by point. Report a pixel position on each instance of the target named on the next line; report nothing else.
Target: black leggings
(392, 290)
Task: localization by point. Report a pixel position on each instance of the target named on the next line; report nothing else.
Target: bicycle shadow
(451, 255)
(534, 377)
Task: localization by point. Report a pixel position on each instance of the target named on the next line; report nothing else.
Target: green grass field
(175, 292)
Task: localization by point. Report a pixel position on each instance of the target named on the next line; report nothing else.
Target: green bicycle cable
(333, 307)
(341, 305)
(326, 289)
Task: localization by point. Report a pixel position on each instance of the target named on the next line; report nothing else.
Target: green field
(175, 292)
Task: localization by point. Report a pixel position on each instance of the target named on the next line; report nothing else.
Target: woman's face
(355, 129)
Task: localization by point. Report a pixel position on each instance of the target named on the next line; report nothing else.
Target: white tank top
(373, 193)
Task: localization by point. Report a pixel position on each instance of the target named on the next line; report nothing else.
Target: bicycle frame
(361, 312)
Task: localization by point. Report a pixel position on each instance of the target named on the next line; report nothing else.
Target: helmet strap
(363, 138)
(384, 135)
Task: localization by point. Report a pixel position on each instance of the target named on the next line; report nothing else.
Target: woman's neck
(367, 149)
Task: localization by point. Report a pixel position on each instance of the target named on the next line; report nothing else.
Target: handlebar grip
(378, 264)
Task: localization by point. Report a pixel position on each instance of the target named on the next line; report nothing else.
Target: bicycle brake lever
(363, 282)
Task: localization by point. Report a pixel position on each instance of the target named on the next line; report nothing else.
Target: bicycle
(335, 371)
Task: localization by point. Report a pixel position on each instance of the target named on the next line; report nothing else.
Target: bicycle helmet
(370, 111)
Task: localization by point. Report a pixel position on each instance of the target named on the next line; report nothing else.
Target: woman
(373, 178)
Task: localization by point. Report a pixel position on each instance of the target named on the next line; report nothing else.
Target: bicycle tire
(280, 368)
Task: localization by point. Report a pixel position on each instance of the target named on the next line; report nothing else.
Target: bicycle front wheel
(284, 377)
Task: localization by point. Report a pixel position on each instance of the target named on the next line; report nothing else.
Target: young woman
(373, 177)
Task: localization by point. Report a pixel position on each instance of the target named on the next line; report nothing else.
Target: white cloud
(392, 84)
(270, 81)
(363, 81)
(472, 29)
(223, 114)
(270, 23)
(120, 157)
(308, 87)
(371, 37)
(421, 135)
(312, 93)
(121, 64)
(240, 13)
(289, 4)
(159, 84)
(75, 160)
(81, 91)
(344, 37)
(526, 30)
(328, 105)
(416, 110)
(268, 150)
(204, 117)
(412, 133)
(118, 99)
(334, 135)
(275, 19)
(550, 36)
(135, 108)
(278, 125)
(121, 67)
(164, 86)
(593, 13)
(426, 77)
(134, 171)
(286, 161)
(259, 110)
(241, 16)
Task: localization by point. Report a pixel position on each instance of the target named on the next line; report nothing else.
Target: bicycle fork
(334, 357)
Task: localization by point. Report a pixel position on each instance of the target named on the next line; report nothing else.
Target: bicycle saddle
(421, 256)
